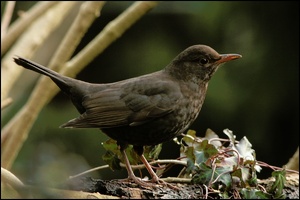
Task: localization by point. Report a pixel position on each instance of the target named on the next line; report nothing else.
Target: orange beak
(228, 57)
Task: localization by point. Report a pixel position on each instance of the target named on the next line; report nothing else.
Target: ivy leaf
(197, 153)
(114, 156)
(199, 156)
(244, 147)
(208, 149)
(224, 176)
(230, 136)
(112, 160)
(206, 175)
(229, 161)
(209, 134)
(132, 156)
(203, 176)
(111, 145)
(243, 174)
(152, 152)
(189, 138)
(190, 159)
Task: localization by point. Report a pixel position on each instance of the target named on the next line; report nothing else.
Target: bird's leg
(139, 150)
(131, 174)
(154, 176)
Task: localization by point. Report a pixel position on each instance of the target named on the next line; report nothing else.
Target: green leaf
(112, 160)
(254, 194)
(278, 185)
(203, 176)
(152, 152)
(132, 156)
(111, 145)
(208, 150)
(199, 156)
(114, 155)
(262, 195)
(243, 174)
(189, 138)
(190, 158)
(197, 153)
(225, 176)
(206, 175)
(253, 180)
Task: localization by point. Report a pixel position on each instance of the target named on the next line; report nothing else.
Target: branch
(29, 43)
(28, 191)
(5, 103)
(26, 46)
(19, 26)
(141, 166)
(8, 12)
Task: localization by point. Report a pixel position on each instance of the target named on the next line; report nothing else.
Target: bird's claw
(162, 182)
(152, 184)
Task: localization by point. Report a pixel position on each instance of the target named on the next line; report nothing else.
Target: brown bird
(145, 110)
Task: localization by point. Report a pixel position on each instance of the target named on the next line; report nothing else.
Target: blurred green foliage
(256, 96)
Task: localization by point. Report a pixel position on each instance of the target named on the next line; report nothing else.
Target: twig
(9, 178)
(6, 102)
(176, 180)
(89, 171)
(260, 163)
(8, 12)
(141, 166)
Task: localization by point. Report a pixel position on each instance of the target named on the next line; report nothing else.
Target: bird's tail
(60, 80)
(74, 88)
(38, 68)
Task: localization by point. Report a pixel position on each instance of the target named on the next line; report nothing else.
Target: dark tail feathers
(56, 77)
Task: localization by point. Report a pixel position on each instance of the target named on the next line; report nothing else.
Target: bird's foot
(153, 184)
(162, 182)
(139, 181)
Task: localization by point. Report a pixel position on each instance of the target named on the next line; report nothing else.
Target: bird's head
(198, 63)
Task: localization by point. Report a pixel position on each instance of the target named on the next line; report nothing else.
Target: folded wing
(115, 107)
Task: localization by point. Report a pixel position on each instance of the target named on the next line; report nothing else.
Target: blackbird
(145, 110)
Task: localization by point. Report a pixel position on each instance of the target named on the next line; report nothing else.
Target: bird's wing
(111, 108)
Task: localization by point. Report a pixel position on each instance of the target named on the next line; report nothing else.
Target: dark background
(256, 96)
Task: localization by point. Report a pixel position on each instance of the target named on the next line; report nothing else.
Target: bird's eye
(203, 61)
